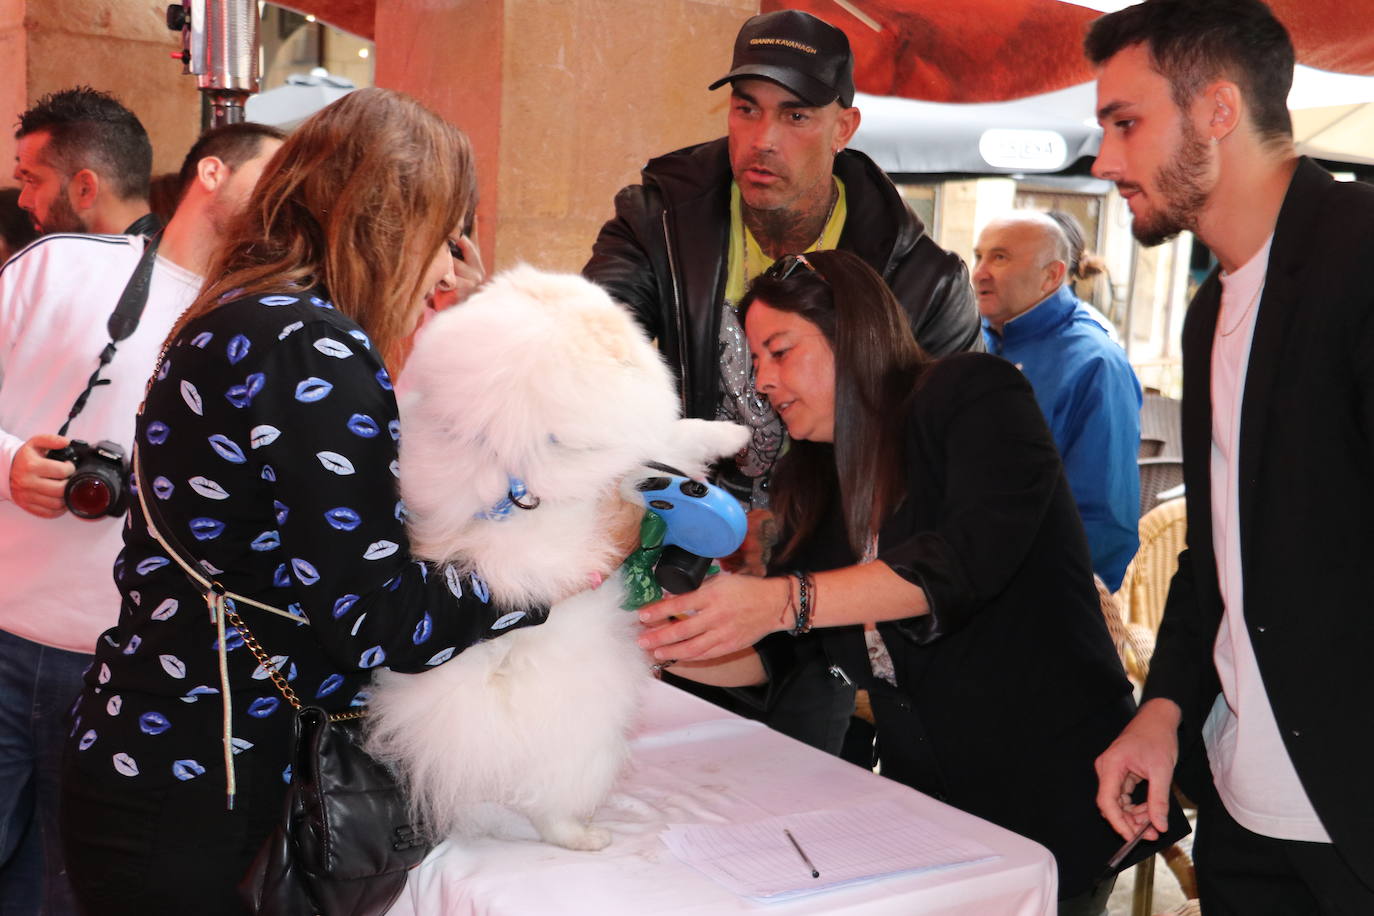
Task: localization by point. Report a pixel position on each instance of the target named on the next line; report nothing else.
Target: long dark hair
(877, 362)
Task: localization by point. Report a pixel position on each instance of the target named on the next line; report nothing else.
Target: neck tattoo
(790, 234)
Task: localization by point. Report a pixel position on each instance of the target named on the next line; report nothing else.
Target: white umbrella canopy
(297, 99)
(1333, 119)
(1040, 133)
(1343, 133)
(1333, 116)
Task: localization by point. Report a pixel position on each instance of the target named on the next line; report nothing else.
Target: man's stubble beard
(1179, 184)
(62, 217)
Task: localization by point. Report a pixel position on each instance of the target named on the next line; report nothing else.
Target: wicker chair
(1160, 420)
(1134, 643)
(1141, 600)
(1150, 448)
(1156, 476)
(1146, 583)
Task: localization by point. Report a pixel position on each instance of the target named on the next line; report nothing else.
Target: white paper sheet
(755, 859)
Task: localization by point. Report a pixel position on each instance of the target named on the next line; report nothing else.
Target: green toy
(641, 587)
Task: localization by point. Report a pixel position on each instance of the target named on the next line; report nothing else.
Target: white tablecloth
(695, 763)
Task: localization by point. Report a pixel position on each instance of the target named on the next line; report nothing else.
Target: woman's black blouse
(269, 441)
(1010, 687)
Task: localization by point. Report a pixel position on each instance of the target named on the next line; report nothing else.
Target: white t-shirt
(56, 581)
(1250, 765)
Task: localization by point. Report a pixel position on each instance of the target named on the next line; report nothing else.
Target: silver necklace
(1227, 332)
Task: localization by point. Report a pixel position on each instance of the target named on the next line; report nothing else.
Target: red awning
(989, 50)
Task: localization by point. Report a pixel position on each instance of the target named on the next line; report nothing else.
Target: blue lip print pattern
(186, 769)
(206, 529)
(313, 389)
(270, 439)
(227, 449)
(238, 348)
(150, 565)
(362, 425)
(422, 630)
(306, 574)
(329, 685)
(343, 518)
(242, 395)
(263, 707)
(153, 723)
(268, 540)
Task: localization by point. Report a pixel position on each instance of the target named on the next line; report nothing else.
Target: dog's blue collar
(517, 497)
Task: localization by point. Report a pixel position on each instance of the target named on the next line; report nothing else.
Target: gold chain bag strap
(347, 838)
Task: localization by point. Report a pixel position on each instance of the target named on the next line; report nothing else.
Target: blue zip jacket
(1091, 400)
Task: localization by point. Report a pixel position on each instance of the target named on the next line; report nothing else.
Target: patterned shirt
(269, 438)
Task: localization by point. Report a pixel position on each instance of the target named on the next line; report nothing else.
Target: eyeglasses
(786, 267)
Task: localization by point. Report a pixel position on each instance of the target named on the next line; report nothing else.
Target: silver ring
(515, 500)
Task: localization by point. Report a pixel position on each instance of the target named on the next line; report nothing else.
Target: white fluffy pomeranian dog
(540, 392)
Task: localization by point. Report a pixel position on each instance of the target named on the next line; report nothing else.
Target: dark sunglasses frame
(787, 266)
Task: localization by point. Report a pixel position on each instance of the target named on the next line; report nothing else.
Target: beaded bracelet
(802, 620)
(789, 607)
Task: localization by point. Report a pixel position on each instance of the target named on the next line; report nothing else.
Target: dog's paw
(573, 835)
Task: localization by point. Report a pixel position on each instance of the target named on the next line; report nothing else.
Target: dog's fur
(540, 377)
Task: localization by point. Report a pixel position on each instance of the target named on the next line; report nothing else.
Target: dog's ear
(696, 444)
(611, 330)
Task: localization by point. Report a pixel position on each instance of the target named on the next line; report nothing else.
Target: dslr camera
(99, 485)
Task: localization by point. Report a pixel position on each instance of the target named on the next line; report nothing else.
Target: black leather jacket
(663, 254)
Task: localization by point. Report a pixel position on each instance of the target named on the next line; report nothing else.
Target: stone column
(565, 101)
(119, 46)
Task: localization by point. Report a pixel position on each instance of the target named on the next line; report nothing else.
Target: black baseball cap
(803, 54)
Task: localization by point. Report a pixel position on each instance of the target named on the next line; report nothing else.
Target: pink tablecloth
(695, 763)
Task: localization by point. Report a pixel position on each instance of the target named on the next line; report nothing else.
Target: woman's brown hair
(359, 198)
(877, 362)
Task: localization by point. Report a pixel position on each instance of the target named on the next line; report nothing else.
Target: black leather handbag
(347, 838)
(345, 842)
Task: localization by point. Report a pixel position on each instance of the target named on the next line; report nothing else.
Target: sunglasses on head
(786, 267)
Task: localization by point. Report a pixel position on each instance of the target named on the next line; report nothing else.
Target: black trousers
(1240, 873)
(170, 850)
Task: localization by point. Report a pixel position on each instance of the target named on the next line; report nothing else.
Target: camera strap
(122, 322)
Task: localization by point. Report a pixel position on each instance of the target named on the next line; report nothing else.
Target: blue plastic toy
(704, 522)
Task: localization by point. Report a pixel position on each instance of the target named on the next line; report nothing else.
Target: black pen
(1125, 850)
(801, 852)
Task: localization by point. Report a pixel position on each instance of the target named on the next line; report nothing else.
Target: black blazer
(1011, 687)
(1306, 507)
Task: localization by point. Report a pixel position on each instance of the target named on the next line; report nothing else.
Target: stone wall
(565, 101)
(120, 46)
